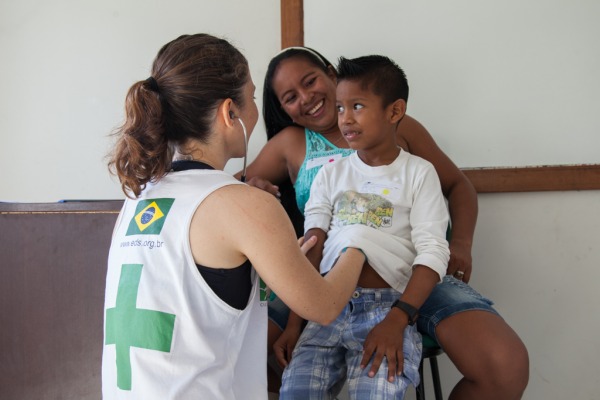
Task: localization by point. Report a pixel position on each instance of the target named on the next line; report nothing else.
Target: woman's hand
(305, 246)
(461, 262)
(265, 185)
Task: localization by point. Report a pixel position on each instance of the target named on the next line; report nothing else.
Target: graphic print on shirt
(128, 326)
(149, 217)
(367, 209)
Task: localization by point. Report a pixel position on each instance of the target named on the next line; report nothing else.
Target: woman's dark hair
(190, 77)
(275, 118)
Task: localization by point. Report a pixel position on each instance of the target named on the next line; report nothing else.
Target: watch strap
(409, 310)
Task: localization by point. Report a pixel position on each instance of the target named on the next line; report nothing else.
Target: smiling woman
(304, 90)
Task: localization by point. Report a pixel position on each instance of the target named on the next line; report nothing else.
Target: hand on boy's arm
(306, 244)
(315, 254)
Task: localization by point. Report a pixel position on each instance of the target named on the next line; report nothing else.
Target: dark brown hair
(190, 77)
(377, 73)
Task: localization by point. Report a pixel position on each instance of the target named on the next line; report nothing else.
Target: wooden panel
(72, 207)
(534, 179)
(292, 23)
(52, 278)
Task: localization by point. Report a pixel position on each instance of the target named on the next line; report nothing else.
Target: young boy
(388, 203)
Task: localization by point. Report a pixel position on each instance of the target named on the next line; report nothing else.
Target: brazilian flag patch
(150, 216)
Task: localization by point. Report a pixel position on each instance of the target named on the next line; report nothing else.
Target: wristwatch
(408, 310)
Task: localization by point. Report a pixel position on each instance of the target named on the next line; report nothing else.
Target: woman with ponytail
(185, 310)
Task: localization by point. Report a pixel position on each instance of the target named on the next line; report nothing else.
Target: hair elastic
(300, 48)
(152, 84)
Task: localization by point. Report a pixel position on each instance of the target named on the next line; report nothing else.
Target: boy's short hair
(377, 73)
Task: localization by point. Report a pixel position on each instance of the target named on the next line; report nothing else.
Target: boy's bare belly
(370, 279)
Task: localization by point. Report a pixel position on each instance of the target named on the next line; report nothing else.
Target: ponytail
(190, 76)
(142, 153)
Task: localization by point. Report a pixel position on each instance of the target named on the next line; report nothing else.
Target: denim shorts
(327, 356)
(447, 298)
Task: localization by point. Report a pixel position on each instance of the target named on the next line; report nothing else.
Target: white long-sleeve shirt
(395, 213)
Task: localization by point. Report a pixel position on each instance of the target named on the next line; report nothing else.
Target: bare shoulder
(244, 208)
(290, 136)
(230, 220)
(293, 133)
(236, 198)
(291, 142)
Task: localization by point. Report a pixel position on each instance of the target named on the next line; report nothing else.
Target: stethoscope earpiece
(243, 177)
(232, 116)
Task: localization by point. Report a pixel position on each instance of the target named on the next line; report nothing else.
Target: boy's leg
(318, 366)
(366, 316)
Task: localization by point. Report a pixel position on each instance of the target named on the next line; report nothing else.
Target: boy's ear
(397, 110)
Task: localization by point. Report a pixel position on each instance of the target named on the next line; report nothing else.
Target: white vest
(166, 334)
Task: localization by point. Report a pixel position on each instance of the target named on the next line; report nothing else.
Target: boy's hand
(385, 340)
(284, 346)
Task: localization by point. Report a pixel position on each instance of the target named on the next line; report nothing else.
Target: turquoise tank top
(319, 151)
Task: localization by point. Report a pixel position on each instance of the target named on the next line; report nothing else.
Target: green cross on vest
(128, 326)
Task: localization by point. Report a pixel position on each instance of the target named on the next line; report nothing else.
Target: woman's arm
(238, 222)
(461, 195)
(279, 158)
(285, 344)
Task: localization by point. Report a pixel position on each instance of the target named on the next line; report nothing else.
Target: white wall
(67, 65)
(496, 83)
(537, 256)
(508, 83)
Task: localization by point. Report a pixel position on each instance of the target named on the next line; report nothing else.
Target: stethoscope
(232, 116)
